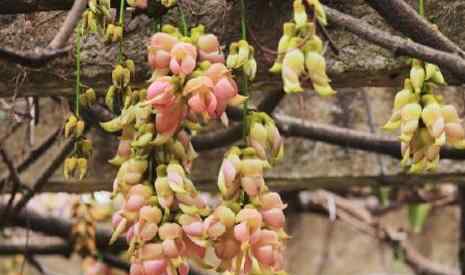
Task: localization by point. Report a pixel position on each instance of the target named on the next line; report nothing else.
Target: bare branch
(66, 30)
(33, 155)
(352, 214)
(45, 174)
(452, 62)
(36, 58)
(404, 18)
(293, 127)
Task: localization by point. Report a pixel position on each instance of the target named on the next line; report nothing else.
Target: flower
(160, 94)
(183, 59)
(209, 49)
(159, 50)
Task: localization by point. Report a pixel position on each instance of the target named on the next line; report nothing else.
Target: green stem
(245, 80)
(243, 21)
(121, 23)
(183, 21)
(421, 7)
(78, 69)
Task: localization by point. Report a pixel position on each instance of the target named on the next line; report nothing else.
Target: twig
(45, 174)
(32, 155)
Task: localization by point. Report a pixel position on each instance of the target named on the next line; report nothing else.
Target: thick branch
(36, 58)
(293, 127)
(452, 62)
(404, 18)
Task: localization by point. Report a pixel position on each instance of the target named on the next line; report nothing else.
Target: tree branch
(402, 17)
(293, 127)
(33, 155)
(45, 174)
(360, 218)
(35, 58)
(16, 182)
(67, 28)
(452, 62)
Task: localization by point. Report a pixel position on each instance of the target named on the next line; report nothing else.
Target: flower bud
(293, 67)
(82, 165)
(417, 75)
(300, 14)
(289, 31)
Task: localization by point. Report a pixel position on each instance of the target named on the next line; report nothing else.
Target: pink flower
(202, 99)
(183, 59)
(160, 94)
(159, 50)
(249, 220)
(272, 210)
(225, 88)
(168, 121)
(209, 49)
(268, 249)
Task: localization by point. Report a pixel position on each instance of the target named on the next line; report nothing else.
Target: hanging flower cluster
(163, 216)
(254, 243)
(83, 238)
(300, 51)
(76, 162)
(241, 57)
(425, 122)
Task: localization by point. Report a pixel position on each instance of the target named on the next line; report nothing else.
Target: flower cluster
(254, 242)
(425, 122)
(300, 51)
(241, 56)
(83, 229)
(97, 16)
(264, 137)
(188, 69)
(76, 163)
(163, 217)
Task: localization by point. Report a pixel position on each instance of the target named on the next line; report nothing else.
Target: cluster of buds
(78, 159)
(88, 98)
(300, 51)
(425, 122)
(121, 78)
(241, 56)
(97, 16)
(188, 70)
(83, 229)
(113, 33)
(91, 266)
(264, 137)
